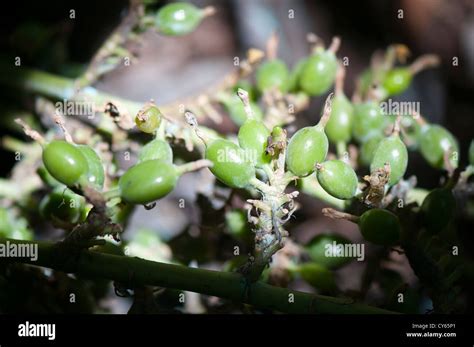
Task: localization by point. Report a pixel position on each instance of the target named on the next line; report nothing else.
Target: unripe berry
(230, 164)
(380, 226)
(65, 162)
(337, 178)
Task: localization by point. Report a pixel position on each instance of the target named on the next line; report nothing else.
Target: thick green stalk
(227, 285)
(56, 87)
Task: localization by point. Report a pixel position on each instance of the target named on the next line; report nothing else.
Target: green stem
(56, 87)
(341, 148)
(269, 172)
(227, 285)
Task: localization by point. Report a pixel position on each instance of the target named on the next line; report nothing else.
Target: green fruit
(272, 74)
(253, 137)
(231, 166)
(434, 141)
(339, 126)
(307, 147)
(318, 73)
(248, 87)
(366, 81)
(95, 175)
(379, 226)
(310, 185)
(62, 205)
(471, 153)
(148, 181)
(294, 77)
(391, 150)
(323, 249)
(237, 224)
(438, 209)
(337, 178)
(368, 120)
(156, 149)
(411, 131)
(148, 119)
(236, 110)
(397, 80)
(318, 276)
(368, 147)
(236, 221)
(178, 18)
(47, 178)
(65, 162)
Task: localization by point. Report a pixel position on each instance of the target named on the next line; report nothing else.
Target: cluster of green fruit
(155, 175)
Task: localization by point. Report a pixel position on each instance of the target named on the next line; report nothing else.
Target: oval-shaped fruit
(62, 204)
(368, 119)
(337, 178)
(391, 150)
(318, 276)
(253, 138)
(179, 18)
(64, 161)
(438, 209)
(318, 73)
(307, 147)
(47, 178)
(397, 80)
(294, 76)
(365, 80)
(148, 119)
(339, 126)
(231, 166)
(156, 149)
(368, 147)
(237, 224)
(95, 174)
(148, 181)
(411, 132)
(327, 250)
(310, 185)
(248, 87)
(236, 110)
(435, 141)
(380, 226)
(471, 153)
(272, 74)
